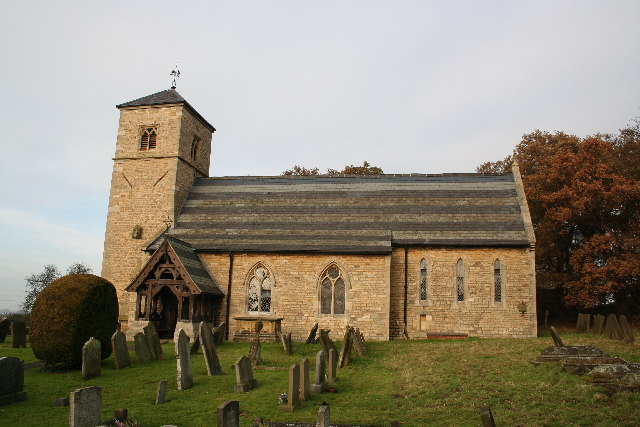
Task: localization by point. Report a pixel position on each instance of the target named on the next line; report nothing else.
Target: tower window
(195, 147)
(332, 291)
(148, 139)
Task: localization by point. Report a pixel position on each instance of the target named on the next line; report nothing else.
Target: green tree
(37, 282)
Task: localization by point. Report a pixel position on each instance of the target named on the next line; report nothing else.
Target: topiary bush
(67, 313)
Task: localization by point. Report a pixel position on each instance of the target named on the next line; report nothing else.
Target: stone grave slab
(305, 392)
(141, 346)
(91, 359)
(293, 392)
(11, 380)
(229, 414)
(324, 417)
(85, 407)
(326, 341)
(582, 365)
(557, 341)
(155, 349)
(556, 353)
(5, 325)
(209, 350)
(598, 324)
(244, 375)
(320, 383)
(629, 382)
(612, 328)
(120, 351)
(183, 361)
(611, 374)
(161, 392)
(312, 334)
(345, 351)
(625, 328)
(19, 334)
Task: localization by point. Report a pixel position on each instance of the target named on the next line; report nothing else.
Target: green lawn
(415, 382)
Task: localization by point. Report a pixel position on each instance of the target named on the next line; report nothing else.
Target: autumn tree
(365, 169)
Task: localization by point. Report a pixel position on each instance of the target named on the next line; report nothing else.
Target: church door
(167, 313)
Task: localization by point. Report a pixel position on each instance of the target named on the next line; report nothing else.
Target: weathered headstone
(324, 417)
(19, 333)
(598, 323)
(305, 392)
(141, 347)
(332, 366)
(5, 324)
(195, 346)
(255, 352)
(161, 392)
(287, 343)
(486, 416)
(612, 328)
(312, 334)
(584, 321)
(556, 353)
(320, 383)
(209, 350)
(219, 333)
(556, 337)
(91, 359)
(625, 328)
(357, 341)
(326, 341)
(244, 375)
(85, 407)
(155, 349)
(60, 401)
(120, 351)
(11, 380)
(345, 351)
(611, 374)
(183, 361)
(229, 414)
(582, 365)
(293, 401)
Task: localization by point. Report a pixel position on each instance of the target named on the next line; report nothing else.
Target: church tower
(163, 145)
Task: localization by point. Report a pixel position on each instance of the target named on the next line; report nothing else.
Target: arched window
(148, 139)
(332, 291)
(423, 280)
(497, 282)
(460, 280)
(195, 147)
(259, 282)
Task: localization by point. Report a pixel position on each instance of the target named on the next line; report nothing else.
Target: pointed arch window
(497, 282)
(259, 283)
(195, 147)
(332, 291)
(460, 280)
(423, 280)
(148, 139)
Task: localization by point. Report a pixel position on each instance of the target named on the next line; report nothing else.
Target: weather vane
(175, 73)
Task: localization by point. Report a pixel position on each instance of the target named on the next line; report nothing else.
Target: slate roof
(192, 263)
(350, 214)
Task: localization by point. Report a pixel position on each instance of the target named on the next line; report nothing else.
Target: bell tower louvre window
(148, 139)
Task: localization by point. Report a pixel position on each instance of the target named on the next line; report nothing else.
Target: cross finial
(175, 73)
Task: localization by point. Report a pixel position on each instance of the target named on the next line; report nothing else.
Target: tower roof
(169, 96)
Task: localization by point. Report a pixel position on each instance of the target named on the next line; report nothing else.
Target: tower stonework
(163, 145)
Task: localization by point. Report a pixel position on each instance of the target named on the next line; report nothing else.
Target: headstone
(293, 401)
(196, 344)
(312, 334)
(19, 333)
(91, 359)
(556, 337)
(5, 324)
(85, 407)
(142, 347)
(582, 365)
(625, 328)
(11, 380)
(598, 323)
(155, 349)
(612, 328)
(183, 361)
(229, 414)
(255, 352)
(219, 333)
(120, 351)
(584, 321)
(209, 350)
(121, 414)
(332, 366)
(305, 392)
(555, 353)
(320, 383)
(287, 343)
(324, 417)
(161, 392)
(487, 417)
(345, 351)
(60, 401)
(357, 341)
(244, 375)
(326, 342)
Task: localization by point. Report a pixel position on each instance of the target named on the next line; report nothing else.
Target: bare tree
(37, 282)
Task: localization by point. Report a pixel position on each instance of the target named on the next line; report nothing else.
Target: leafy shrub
(67, 313)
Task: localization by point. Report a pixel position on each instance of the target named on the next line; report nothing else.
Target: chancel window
(497, 282)
(460, 280)
(423, 280)
(332, 291)
(148, 139)
(260, 283)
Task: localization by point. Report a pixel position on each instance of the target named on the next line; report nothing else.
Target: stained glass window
(497, 282)
(423, 280)
(460, 279)
(259, 298)
(332, 291)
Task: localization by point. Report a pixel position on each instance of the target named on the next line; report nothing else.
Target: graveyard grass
(429, 382)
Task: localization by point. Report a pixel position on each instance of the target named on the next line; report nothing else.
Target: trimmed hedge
(67, 313)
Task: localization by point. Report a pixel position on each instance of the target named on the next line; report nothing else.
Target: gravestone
(305, 393)
(244, 375)
(326, 341)
(155, 349)
(612, 328)
(625, 328)
(219, 333)
(324, 417)
(556, 337)
(209, 350)
(183, 361)
(255, 352)
(486, 416)
(629, 382)
(332, 366)
(555, 353)
(60, 401)
(142, 347)
(598, 323)
(345, 351)
(161, 392)
(356, 338)
(5, 324)
(611, 374)
(85, 407)
(196, 344)
(582, 365)
(293, 401)
(120, 351)
(312, 334)
(287, 343)
(584, 321)
(19, 334)
(320, 383)
(11, 381)
(229, 414)
(91, 359)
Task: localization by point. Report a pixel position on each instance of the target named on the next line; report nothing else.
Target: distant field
(415, 382)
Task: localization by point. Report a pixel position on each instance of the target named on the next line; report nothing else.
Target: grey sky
(410, 86)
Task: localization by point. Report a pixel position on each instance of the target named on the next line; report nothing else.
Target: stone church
(394, 255)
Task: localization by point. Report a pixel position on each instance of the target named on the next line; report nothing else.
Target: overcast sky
(410, 86)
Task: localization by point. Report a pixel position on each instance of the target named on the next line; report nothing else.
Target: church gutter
(406, 287)
(226, 332)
